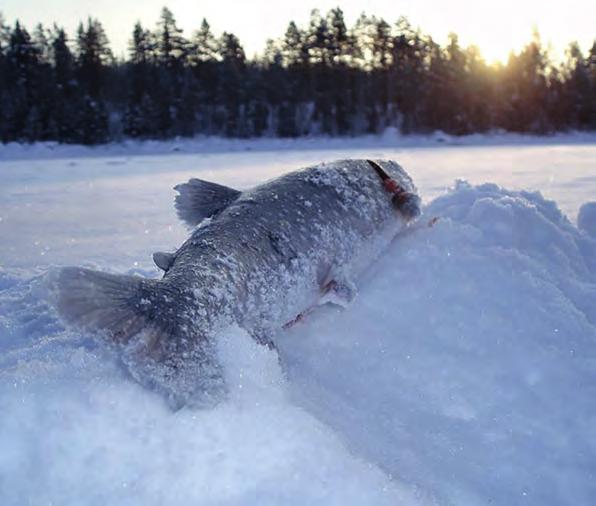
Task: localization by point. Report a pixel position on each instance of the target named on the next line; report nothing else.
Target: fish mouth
(407, 204)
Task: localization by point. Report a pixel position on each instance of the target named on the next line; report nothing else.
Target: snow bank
(466, 366)
(391, 138)
(464, 373)
(586, 219)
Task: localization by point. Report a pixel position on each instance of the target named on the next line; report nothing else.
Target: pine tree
(41, 122)
(139, 117)
(231, 84)
(204, 45)
(5, 98)
(456, 120)
(339, 41)
(407, 86)
(4, 35)
(203, 59)
(592, 66)
(172, 50)
(341, 49)
(319, 65)
(294, 50)
(578, 88)
(22, 60)
(67, 90)
(41, 41)
(380, 49)
(479, 92)
(93, 57)
(171, 45)
(294, 115)
(526, 89)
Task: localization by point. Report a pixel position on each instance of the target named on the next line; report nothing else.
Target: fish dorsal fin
(198, 199)
(163, 260)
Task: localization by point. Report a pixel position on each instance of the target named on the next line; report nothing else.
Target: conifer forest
(326, 78)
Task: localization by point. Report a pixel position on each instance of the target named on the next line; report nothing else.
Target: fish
(258, 259)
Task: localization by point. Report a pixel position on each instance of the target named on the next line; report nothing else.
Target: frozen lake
(463, 373)
(108, 209)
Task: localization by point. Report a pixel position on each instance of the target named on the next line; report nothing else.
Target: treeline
(325, 78)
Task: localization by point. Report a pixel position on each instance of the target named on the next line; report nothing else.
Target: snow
(466, 365)
(390, 139)
(463, 372)
(586, 219)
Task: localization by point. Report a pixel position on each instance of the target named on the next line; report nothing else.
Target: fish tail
(117, 304)
(146, 316)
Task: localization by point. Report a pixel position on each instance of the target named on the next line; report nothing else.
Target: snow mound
(463, 373)
(76, 430)
(586, 219)
(466, 365)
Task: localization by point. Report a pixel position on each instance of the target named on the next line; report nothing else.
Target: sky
(496, 27)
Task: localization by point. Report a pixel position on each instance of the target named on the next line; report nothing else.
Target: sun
(494, 54)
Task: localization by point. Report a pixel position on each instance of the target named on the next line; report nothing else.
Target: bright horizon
(495, 29)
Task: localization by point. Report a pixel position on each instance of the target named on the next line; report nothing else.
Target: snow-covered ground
(464, 373)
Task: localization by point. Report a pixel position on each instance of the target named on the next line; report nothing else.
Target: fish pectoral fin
(198, 199)
(163, 260)
(341, 292)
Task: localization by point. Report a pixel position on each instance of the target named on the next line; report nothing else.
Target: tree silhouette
(323, 78)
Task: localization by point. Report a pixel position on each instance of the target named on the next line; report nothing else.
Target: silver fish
(256, 258)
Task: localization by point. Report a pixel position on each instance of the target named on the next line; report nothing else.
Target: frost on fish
(262, 258)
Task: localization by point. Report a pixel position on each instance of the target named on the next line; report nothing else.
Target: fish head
(407, 204)
(405, 199)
